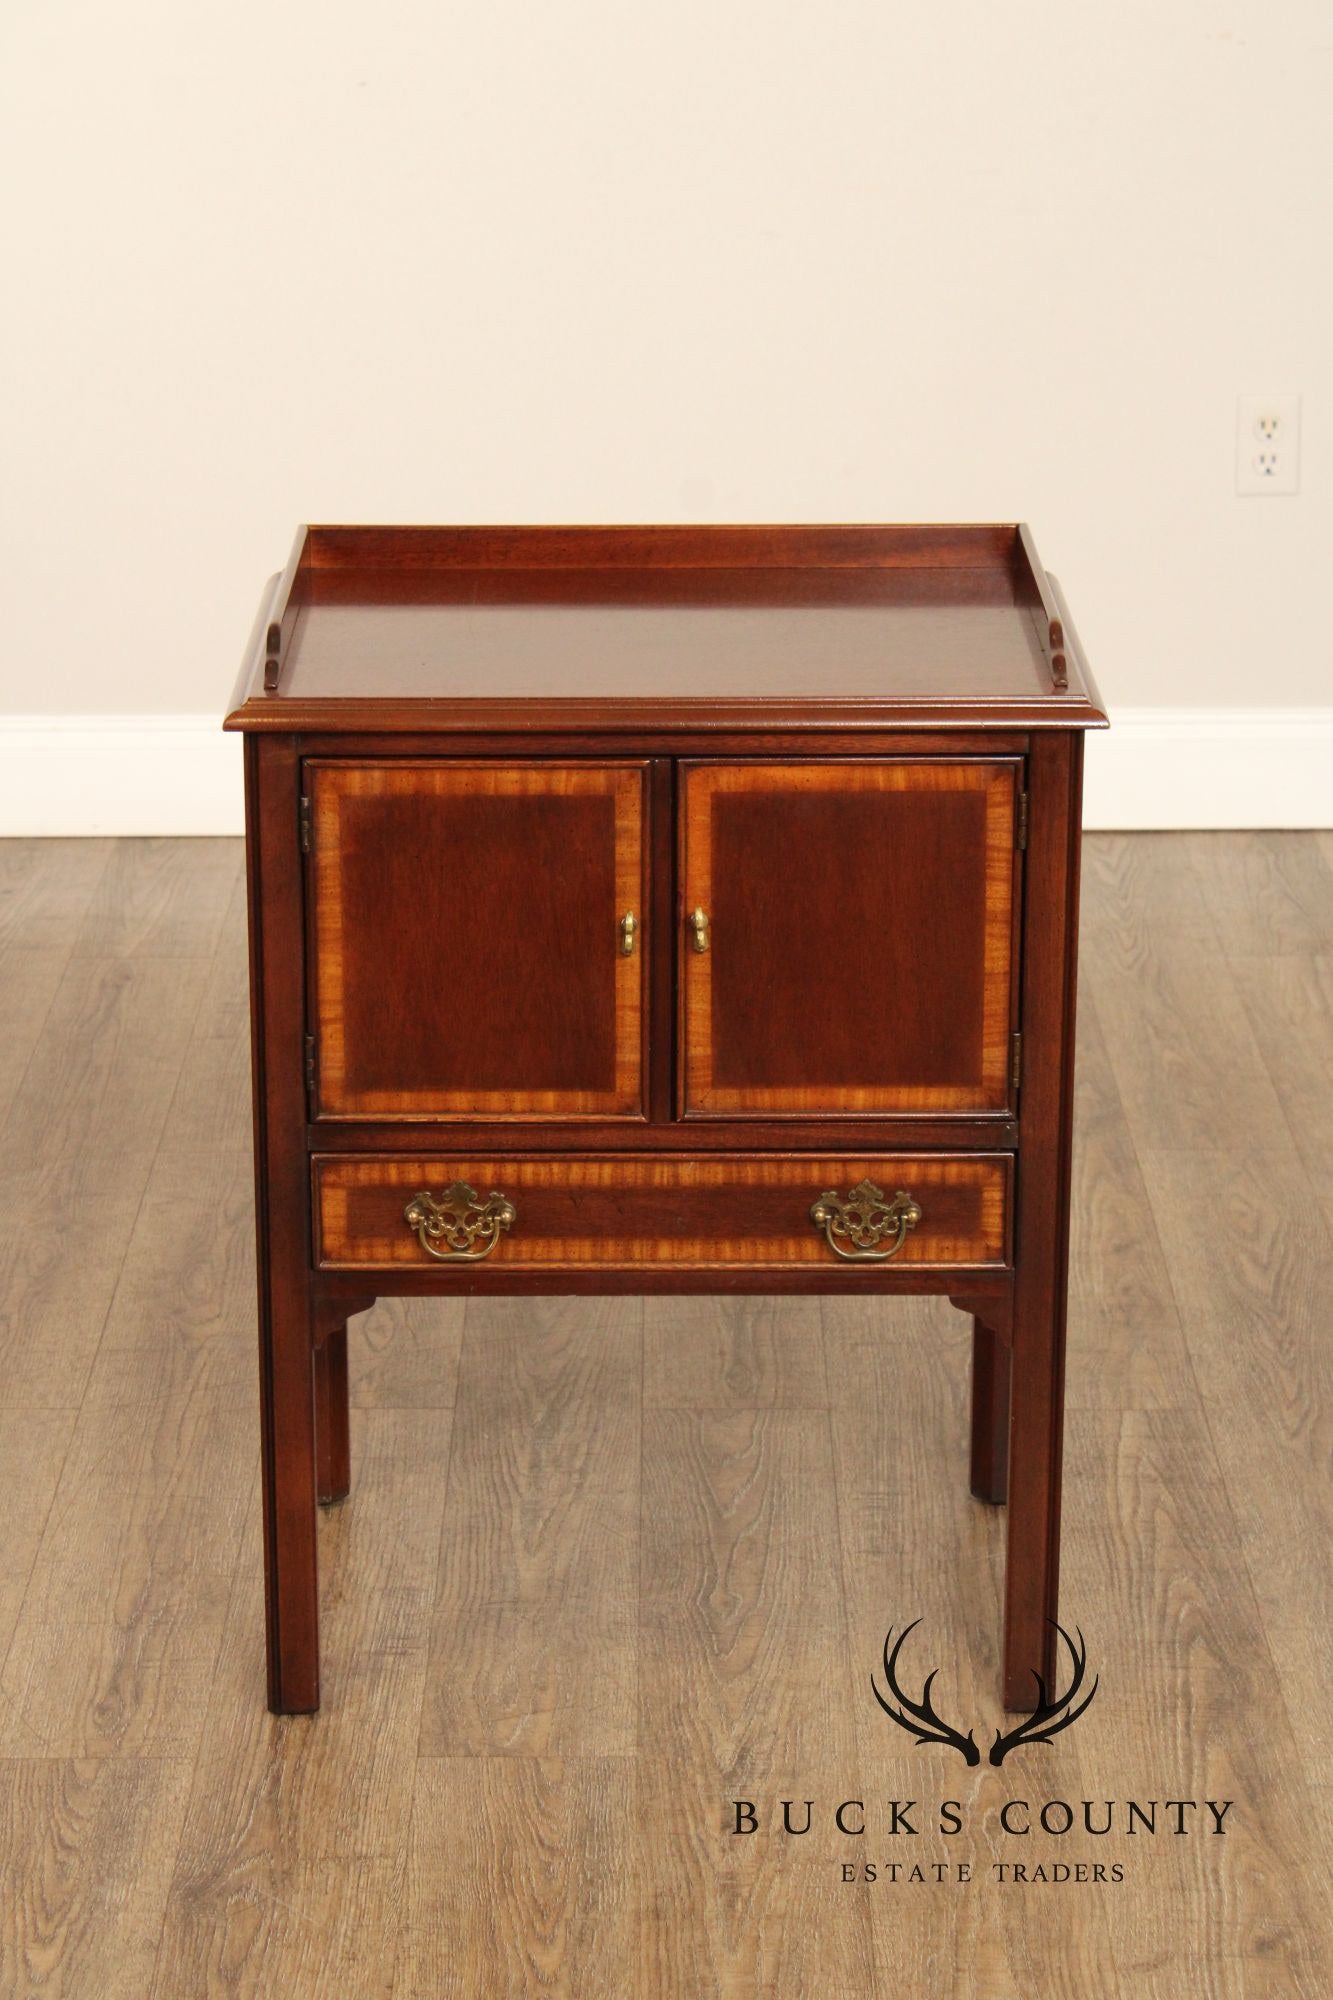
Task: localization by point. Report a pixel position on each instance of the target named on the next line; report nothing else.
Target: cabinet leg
(1036, 1426)
(990, 1414)
(332, 1444)
(1041, 1215)
(287, 1399)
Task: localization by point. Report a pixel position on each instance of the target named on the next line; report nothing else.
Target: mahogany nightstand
(663, 910)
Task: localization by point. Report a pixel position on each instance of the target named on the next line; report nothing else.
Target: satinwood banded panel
(667, 1211)
(469, 957)
(854, 946)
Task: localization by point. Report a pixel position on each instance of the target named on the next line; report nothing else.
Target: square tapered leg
(990, 1414)
(333, 1456)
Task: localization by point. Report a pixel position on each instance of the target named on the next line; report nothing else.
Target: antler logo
(1048, 1718)
(920, 1719)
(1053, 1714)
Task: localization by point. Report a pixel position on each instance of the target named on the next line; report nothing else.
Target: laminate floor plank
(290, 1875)
(913, 1542)
(1289, 1002)
(534, 1648)
(121, 1618)
(48, 889)
(1138, 888)
(298, 1929)
(1155, 1573)
(1126, 1348)
(211, 1105)
(404, 1354)
(727, 1916)
(94, 1097)
(1186, 1063)
(744, 1660)
(63, 1240)
(116, 1642)
(538, 1898)
(736, 1353)
(340, 1785)
(33, 1444)
(29, 983)
(86, 1853)
(81, 1136)
(1253, 1261)
(126, 1588)
(1267, 892)
(52, 1305)
(162, 898)
(745, 1693)
(183, 1318)
(1017, 1937)
(916, 1546)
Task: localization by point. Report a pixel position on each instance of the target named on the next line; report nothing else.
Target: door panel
(468, 952)
(859, 936)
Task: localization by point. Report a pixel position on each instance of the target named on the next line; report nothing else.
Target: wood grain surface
(610, 1564)
(894, 1011)
(425, 956)
(482, 621)
(635, 1212)
(534, 1639)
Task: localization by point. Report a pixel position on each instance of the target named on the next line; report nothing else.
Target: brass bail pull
(699, 929)
(459, 1227)
(866, 1223)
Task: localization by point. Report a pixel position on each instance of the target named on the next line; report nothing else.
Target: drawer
(874, 1211)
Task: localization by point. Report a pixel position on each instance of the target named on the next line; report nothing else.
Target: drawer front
(849, 936)
(477, 945)
(872, 1210)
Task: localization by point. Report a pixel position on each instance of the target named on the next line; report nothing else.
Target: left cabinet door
(470, 951)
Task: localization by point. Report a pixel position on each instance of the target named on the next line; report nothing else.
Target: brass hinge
(1016, 1060)
(310, 1064)
(305, 826)
(1021, 832)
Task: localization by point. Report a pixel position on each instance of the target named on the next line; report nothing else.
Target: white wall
(687, 260)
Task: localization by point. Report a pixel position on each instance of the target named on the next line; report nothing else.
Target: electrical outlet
(1268, 444)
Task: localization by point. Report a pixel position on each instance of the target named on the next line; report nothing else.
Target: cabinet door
(849, 935)
(470, 955)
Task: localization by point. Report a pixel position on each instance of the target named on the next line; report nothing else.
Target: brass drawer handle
(864, 1218)
(459, 1220)
(628, 926)
(699, 926)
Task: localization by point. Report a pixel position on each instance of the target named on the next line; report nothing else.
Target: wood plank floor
(608, 1565)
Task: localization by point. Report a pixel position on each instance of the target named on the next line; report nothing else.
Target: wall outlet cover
(1268, 444)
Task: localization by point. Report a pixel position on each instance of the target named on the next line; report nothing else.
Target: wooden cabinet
(663, 910)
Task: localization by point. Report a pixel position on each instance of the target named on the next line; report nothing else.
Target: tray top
(622, 628)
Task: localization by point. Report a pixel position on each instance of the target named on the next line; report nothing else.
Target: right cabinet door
(849, 936)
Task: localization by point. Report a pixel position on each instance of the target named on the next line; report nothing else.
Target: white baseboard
(1157, 768)
(82, 774)
(1173, 768)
